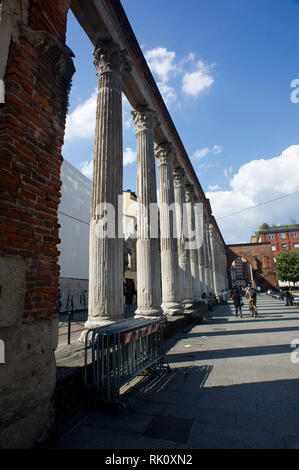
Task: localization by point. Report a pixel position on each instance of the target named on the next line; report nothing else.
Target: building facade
(241, 272)
(74, 215)
(280, 238)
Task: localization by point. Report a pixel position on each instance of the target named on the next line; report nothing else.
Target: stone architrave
(169, 252)
(184, 278)
(105, 300)
(149, 297)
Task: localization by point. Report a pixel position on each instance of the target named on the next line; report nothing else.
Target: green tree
(264, 226)
(293, 221)
(287, 266)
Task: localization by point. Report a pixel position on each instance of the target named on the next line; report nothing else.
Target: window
(271, 236)
(294, 234)
(296, 246)
(273, 247)
(282, 235)
(284, 247)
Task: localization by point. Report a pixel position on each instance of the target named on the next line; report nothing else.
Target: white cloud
(195, 82)
(255, 183)
(217, 149)
(127, 117)
(161, 62)
(199, 154)
(81, 122)
(86, 167)
(228, 172)
(168, 93)
(214, 187)
(129, 156)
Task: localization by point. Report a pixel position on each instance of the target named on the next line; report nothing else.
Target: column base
(187, 304)
(98, 322)
(172, 309)
(148, 312)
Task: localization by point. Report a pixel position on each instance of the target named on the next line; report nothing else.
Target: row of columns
(170, 276)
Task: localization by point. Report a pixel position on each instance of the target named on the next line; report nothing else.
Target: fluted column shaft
(209, 260)
(214, 256)
(190, 198)
(105, 301)
(148, 251)
(171, 301)
(199, 233)
(184, 279)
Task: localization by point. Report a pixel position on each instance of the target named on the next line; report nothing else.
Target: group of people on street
(251, 294)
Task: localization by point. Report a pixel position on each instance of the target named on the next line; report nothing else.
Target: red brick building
(280, 238)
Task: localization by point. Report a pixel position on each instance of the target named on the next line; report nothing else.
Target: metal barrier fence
(120, 352)
(201, 310)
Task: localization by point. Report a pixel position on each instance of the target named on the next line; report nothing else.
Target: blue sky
(225, 70)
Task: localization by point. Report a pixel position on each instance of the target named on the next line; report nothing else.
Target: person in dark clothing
(252, 301)
(237, 300)
(289, 298)
(129, 291)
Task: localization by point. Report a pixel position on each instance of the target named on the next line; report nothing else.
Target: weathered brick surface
(31, 136)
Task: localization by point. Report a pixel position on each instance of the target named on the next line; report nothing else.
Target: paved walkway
(232, 385)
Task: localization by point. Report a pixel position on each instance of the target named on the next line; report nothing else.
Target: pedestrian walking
(252, 301)
(259, 290)
(289, 298)
(237, 300)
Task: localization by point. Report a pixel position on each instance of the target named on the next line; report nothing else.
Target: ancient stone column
(214, 257)
(199, 233)
(184, 279)
(149, 296)
(169, 252)
(190, 198)
(105, 300)
(208, 257)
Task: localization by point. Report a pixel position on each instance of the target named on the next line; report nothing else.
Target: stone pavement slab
(232, 385)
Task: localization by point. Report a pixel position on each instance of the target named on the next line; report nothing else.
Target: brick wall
(31, 136)
(277, 241)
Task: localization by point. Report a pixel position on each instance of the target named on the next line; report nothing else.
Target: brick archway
(255, 254)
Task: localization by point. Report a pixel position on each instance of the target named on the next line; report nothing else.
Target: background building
(280, 238)
(241, 274)
(74, 220)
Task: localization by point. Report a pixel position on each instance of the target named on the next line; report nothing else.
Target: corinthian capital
(189, 193)
(165, 153)
(110, 58)
(178, 176)
(212, 230)
(145, 119)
